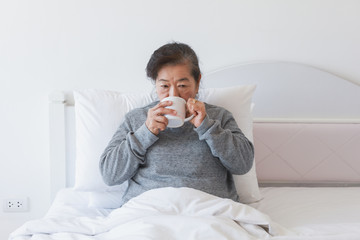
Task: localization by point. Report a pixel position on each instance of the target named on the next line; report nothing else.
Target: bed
(305, 183)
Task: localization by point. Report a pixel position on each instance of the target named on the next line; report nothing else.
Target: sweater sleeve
(125, 153)
(227, 142)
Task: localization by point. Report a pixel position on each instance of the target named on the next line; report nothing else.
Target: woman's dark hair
(173, 54)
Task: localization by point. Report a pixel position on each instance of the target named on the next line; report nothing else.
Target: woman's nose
(174, 92)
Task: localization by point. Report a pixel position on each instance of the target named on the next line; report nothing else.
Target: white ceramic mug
(178, 104)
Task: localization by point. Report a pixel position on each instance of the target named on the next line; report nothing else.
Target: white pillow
(238, 100)
(99, 113)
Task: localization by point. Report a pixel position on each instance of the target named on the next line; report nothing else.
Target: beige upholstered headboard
(306, 122)
(321, 153)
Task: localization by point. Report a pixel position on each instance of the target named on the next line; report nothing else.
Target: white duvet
(166, 214)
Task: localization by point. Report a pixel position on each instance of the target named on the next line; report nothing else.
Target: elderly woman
(202, 154)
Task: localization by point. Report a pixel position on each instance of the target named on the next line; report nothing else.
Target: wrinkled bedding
(172, 213)
(167, 213)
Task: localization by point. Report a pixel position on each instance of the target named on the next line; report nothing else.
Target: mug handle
(189, 118)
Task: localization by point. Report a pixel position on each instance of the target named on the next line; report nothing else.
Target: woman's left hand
(198, 109)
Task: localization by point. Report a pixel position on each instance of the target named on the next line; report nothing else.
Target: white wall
(67, 44)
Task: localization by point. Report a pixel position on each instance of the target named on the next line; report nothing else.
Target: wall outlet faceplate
(15, 204)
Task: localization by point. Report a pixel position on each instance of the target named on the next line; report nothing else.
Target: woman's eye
(181, 86)
(164, 86)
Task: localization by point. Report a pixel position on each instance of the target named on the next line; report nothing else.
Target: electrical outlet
(15, 205)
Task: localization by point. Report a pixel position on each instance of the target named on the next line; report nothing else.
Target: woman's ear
(198, 83)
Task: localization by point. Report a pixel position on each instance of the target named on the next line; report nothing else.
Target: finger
(164, 111)
(191, 104)
(160, 106)
(197, 108)
(156, 128)
(158, 120)
(164, 104)
(161, 120)
(160, 125)
(193, 101)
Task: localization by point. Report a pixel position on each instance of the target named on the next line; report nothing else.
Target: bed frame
(306, 125)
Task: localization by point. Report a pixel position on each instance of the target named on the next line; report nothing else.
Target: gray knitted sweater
(202, 158)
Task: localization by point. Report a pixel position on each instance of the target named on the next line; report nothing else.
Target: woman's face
(176, 80)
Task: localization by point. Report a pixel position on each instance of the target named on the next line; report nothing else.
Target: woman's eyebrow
(179, 80)
(182, 79)
(163, 80)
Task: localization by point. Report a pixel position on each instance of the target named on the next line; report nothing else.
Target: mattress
(329, 210)
(290, 206)
(284, 212)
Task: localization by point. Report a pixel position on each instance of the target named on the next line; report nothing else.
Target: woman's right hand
(156, 121)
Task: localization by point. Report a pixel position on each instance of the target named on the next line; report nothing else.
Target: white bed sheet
(302, 213)
(331, 210)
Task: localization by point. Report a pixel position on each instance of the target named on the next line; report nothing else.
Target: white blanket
(166, 213)
(175, 213)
